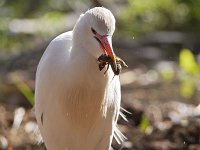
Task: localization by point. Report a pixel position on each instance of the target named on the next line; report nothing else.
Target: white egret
(76, 105)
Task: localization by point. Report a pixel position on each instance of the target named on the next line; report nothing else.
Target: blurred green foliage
(144, 124)
(190, 74)
(42, 17)
(32, 8)
(188, 63)
(22, 87)
(187, 87)
(143, 16)
(136, 17)
(167, 74)
(187, 73)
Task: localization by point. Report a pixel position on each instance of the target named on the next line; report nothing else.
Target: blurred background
(158, 39)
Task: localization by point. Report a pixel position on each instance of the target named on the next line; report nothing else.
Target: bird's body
(76, 105)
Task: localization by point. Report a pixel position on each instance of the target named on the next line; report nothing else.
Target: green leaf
(23, 88)
(144, 123)
(187, 62)
(187, 88)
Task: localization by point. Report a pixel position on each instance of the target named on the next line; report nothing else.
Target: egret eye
(93, 31)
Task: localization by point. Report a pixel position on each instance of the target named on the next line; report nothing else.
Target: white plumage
(76, 105)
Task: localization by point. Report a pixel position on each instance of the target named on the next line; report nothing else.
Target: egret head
(94, 31)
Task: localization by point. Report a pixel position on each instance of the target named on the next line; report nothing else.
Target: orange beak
(106, 45)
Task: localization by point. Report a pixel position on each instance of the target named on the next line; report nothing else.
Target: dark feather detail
(42, 118)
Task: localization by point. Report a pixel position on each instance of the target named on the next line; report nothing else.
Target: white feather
(76, 105)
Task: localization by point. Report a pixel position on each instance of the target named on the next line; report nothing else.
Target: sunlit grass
(144, 123)
(22, 87)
